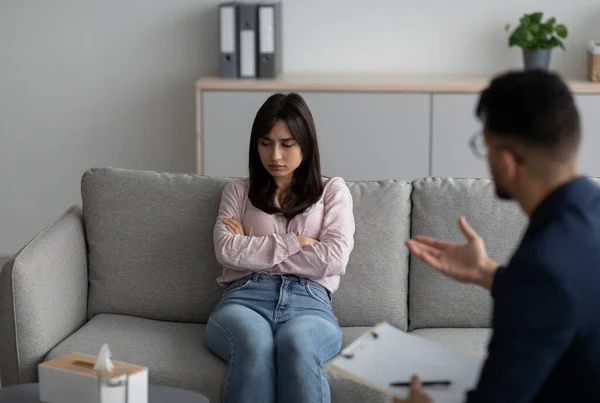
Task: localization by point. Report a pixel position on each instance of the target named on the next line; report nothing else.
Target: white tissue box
(72, 379)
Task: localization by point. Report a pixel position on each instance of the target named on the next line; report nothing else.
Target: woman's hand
(234, 226)
(306, 240)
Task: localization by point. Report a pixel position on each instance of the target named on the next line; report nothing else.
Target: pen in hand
(423, 383)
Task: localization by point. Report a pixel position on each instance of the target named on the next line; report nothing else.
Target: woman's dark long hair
(307, 185)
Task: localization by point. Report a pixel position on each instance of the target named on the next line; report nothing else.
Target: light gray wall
(110, 82)
(95, 82)
(425, 37)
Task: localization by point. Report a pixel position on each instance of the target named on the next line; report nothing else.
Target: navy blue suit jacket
(545, 345)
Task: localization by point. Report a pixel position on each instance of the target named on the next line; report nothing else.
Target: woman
(283, 236)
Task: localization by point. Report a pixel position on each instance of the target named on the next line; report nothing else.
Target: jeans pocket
(318, 293)
(238, 285)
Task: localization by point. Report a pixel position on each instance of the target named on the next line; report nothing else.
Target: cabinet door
(368, 136)
(362, 136)
(226, 124)
(453, 124)
(589, 109)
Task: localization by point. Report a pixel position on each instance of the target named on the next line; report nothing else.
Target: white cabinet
(371, 128)
(589, 152)
(362, 136)
(453, 124)
(370, 136)
(226, 124)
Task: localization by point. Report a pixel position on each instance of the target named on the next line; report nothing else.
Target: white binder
(269, 40)
(384, 355)
(248, 38)
(228, 42)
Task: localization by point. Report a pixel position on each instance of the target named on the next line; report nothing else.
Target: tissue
(103, 362)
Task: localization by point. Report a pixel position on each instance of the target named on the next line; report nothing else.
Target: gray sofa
(134, 266)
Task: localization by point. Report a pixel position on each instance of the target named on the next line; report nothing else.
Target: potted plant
(537, 39)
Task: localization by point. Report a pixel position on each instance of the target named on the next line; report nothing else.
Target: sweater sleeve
(254, 253)
(330, 255)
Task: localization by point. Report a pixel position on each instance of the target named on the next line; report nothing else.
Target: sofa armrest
(43, 297)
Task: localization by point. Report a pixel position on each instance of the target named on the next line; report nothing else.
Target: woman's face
(279, 153)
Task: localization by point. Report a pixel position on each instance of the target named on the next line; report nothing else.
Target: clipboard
(385, 354)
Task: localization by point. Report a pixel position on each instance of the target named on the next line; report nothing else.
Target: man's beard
(501, 191)
(502, 194)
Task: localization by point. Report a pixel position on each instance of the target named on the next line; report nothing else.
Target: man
(545, 345)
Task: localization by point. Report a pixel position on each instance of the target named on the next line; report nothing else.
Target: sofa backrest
(151, 254)
(150, 248)
(375, 286)
(437, 204)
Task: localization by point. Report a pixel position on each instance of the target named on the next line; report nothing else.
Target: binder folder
(247, 27)
(385, 355)
(269, 40)
(228, 41)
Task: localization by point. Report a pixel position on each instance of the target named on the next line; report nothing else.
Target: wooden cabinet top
(368, 83)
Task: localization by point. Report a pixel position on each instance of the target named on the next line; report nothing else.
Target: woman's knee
(305, 336)
(243, 329)
(291, 343)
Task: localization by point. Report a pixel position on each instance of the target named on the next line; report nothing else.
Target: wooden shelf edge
(368, 83)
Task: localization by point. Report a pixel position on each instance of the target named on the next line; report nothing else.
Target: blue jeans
(275, 332)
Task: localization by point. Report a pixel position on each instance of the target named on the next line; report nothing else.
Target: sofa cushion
(150, 244)
(176, 356)
(173, 352)
(435, 300)
(375, 285)
(469, 341)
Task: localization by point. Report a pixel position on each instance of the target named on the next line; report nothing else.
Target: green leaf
(519, 37)
(536, 17)
(555, 42)
(561, 31)
(533, 34)
(529, 37)
(544, 34)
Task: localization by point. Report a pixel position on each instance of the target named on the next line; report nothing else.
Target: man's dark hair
(534, 107)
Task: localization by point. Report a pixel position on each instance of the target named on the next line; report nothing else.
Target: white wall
(93, 82)
(110, 82)
(425, 36)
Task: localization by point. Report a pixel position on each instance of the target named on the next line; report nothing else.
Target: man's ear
(508, 164)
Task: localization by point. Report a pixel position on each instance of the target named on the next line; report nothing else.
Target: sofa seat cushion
(175, 354)
(470, 341)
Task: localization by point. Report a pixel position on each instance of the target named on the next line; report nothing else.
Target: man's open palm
(467, 262)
